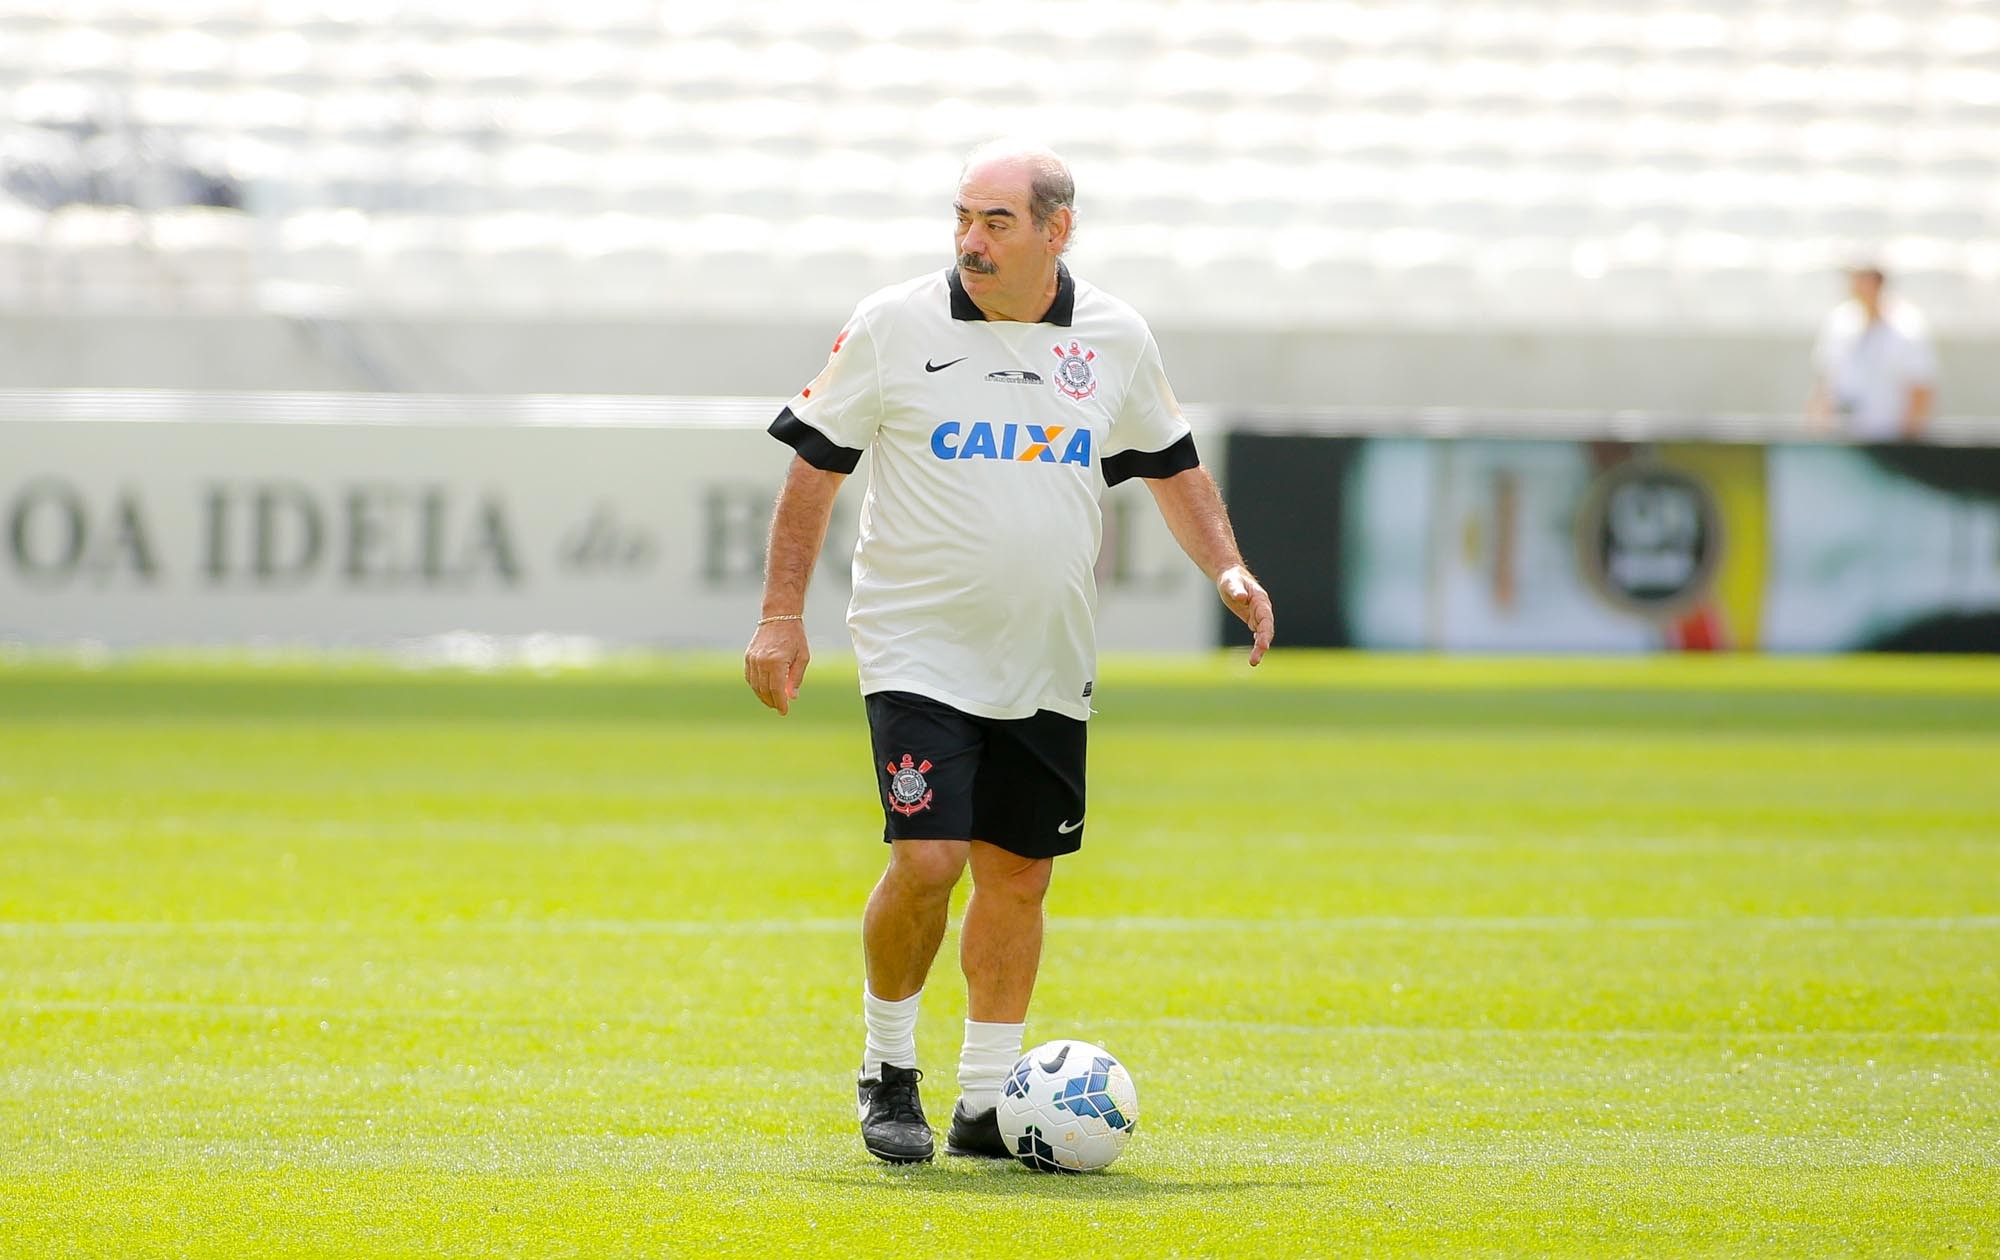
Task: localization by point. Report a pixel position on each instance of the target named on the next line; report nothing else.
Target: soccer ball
(1068, 1106)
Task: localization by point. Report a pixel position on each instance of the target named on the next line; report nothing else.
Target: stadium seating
(1702, 164)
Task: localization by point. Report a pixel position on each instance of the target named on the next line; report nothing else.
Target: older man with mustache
(1000, 397)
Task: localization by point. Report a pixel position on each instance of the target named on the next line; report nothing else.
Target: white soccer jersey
(1870, 367)
(974, 574)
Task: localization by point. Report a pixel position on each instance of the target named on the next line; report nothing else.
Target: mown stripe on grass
(515, 1021)
(1263, 1028)
(1195, 1163)
(1131, 923)
(271, 829)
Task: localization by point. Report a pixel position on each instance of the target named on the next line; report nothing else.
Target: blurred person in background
(1875, 374)
(1000, 396)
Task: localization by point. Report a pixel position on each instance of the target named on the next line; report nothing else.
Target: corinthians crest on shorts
(1073, 375)
(908, 792)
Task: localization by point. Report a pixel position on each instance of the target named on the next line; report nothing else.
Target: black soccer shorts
(943, 774)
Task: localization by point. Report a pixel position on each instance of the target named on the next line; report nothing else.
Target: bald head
(1050, 186)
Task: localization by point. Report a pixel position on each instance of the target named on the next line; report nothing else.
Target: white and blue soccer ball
(1068, 1106)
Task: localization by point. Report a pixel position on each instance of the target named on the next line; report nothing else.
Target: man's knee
(927, 867)
(996, 871)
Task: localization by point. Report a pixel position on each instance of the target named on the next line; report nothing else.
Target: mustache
(978, 263)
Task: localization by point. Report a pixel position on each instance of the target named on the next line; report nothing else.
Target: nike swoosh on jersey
(939, 367)
(1065, 827)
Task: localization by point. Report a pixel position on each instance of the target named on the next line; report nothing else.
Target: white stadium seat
(98, 258)
(23, 254)
(206, 257)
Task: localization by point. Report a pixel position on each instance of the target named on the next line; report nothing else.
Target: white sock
(991, 1051)
(892, 1032)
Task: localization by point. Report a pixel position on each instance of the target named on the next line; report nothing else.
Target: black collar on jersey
(1061, 312)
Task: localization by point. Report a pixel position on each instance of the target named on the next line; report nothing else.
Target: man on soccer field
(1001, 396)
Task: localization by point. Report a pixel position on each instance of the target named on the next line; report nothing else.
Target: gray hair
(1050, 185)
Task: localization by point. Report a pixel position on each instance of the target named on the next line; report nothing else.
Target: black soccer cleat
(976, 1136)
(893, 1127)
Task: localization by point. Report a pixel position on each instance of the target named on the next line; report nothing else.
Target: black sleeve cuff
(1153, 465)
(813, 446)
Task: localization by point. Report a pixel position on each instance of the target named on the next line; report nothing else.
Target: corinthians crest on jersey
(1073, 375)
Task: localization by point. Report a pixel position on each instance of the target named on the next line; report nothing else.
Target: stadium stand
(1622, 164)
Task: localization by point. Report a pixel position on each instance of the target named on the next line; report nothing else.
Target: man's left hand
(1246, 597)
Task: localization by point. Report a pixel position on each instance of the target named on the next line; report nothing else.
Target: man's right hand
(775, 663)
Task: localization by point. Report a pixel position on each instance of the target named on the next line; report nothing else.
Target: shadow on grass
(1016, 1179)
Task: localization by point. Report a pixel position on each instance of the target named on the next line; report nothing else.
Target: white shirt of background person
(1875, 371)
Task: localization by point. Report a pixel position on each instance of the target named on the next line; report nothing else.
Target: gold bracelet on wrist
(765, 621)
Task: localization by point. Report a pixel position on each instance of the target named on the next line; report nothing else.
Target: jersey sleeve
(1922, 359)
(1149, 436)
(834, 418)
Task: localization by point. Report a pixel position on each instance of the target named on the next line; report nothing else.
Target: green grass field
(1408, 956)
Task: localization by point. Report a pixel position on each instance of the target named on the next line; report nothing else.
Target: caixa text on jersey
(1021, 443)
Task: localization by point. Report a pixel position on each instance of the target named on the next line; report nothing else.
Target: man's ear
(1061, 224)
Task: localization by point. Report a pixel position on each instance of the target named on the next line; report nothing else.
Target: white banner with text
(325, 521)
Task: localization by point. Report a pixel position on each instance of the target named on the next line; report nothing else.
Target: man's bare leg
(1000, 951)
(905, 920)
(899, 937)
